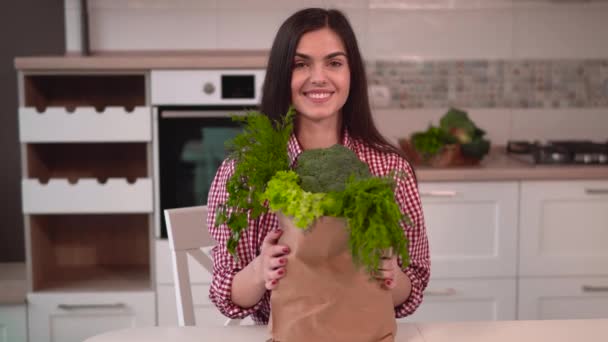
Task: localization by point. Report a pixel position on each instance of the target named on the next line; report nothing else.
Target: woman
(315, 64)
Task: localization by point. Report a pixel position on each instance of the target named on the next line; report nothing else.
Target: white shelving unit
(87, 190)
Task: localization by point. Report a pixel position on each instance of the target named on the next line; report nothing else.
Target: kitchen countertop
(490, 331)
(13, 285)
(143, 61)
(499, 166)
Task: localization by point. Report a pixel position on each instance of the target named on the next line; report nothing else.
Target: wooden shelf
(90, 252)
(97, 278)
(71, 91)
(87, 160)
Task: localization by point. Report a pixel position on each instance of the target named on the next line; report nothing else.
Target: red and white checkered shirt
(225, 266)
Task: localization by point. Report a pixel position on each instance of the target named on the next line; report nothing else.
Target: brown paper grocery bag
(324, 296)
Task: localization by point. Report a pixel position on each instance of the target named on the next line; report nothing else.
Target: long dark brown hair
(276, 97)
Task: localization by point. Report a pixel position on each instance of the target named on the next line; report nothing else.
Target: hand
(273, 259)
(387, 273)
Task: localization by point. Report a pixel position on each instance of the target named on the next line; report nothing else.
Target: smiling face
(320, 80)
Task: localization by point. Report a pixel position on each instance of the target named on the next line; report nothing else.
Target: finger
(386, 265)
(278, 262)
(389, 284)
(271, 284)
(385, 275)
(277, 274)
(277, 251)
(273, 277)
(272, 238)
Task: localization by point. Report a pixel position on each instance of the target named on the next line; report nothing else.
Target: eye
(336, 63)
(299, 64)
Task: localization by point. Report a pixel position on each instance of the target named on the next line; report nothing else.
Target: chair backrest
(188, 233)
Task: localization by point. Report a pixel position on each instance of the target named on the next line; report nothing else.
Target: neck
(318, 134)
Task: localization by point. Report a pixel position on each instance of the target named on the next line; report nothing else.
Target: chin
(317, 114)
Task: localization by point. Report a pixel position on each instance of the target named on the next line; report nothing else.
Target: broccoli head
(328, 169)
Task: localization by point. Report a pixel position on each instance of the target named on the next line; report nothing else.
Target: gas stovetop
(563, 152)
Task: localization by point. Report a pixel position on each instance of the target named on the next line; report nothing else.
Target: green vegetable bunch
(430, 142)
(454, 127)
(368, 204)
(259, 153)
(325, 182)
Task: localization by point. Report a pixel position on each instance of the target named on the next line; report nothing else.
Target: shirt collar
(294, 149)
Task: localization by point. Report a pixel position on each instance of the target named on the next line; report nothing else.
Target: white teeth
(318, 95)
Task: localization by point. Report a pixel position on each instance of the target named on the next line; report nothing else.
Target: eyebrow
(330, 56)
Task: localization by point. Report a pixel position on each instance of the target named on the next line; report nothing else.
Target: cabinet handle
(596, 191)
(591, 288)
(438, 193)
(91, 306)
(441, 292)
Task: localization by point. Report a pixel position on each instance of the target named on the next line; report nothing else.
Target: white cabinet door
(73, 317)
(472, 228)
(205, 311)
(467, 300)
(564, 228)
(563, 298)
(13, 319)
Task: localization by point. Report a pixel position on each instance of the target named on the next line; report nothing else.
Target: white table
(491, 331)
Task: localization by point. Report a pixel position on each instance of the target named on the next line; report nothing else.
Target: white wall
(419, 29)
(386, 29)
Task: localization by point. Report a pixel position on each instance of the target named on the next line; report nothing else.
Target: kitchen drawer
(564, 228)
(73, 317)
(164, 265)
(85, 124)
(563, 298)
(13, 321)
(205, 311)
(200, 87)
(467, 300)
(472, 228)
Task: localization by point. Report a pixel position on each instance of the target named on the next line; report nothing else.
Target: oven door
(191, 147)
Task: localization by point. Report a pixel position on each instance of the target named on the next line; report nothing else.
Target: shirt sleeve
(419, 269)
(225, 267)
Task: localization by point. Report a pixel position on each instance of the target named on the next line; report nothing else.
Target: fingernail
(282, 260)
(388, 282)
(281, 272)
(274, 282)
(286, 250)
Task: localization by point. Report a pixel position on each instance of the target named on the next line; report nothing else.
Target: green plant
(259, 153)
(430, 142)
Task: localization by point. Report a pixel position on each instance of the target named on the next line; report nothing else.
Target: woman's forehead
(320, 43)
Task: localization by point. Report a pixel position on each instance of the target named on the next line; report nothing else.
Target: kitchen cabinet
(13, 320)
(564, 228)
(472, 228)
(467, 300)
(563, 298)
(73, 317)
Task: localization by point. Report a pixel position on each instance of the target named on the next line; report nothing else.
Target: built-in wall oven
(192, 122)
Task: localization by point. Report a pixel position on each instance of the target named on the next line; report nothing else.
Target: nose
(317, 75)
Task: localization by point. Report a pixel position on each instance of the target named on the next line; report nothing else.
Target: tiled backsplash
(493, 83)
